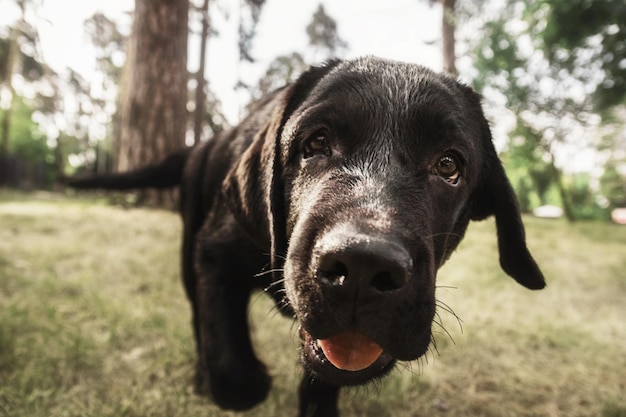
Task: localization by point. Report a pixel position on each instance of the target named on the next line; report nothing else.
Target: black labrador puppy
(340, 195)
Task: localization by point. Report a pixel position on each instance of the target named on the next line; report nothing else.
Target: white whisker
(268, 272)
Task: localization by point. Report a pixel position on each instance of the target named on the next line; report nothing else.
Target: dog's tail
(164, 174)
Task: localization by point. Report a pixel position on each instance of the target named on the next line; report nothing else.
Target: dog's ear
(253, 188)
(248, 184)
(495, 196)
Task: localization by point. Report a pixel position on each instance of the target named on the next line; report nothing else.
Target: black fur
(346, 180)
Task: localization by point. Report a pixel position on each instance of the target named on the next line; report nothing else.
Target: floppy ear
(495, 196)
(253, 187)
(249, 183)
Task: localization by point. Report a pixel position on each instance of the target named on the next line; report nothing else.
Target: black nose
(364, 270)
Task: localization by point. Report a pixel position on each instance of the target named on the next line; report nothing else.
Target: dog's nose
(366, 270)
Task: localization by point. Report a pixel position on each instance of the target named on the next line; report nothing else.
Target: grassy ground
(94, 322)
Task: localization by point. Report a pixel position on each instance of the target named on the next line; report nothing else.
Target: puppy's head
(369, 177)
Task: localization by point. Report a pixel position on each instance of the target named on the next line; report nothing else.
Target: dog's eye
(318, 144)
(448, 168)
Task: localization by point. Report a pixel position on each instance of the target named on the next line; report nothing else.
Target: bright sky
(398, 29)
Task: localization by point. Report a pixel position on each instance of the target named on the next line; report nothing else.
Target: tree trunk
(448, 26)
(5, 125)
(199, 112)
(153, 100)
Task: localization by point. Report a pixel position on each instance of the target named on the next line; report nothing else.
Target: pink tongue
(350, 351)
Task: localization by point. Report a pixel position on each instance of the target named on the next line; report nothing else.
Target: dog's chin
(319, 365)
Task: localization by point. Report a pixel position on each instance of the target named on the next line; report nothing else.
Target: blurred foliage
(584, 200)
(551, 62)
(281, 70)
(525, 158)
(108, 41)
(28, 142)
(214, 120)
(21, 151)
(592, 33)
(27, 64)
(33, 157)
(251, 14)
(613, 184)
(324, 35)
(582, 40)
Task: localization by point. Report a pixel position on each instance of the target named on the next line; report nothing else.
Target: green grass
(94, 322)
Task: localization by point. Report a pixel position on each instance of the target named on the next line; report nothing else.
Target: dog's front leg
(228, 370)
(317, 398)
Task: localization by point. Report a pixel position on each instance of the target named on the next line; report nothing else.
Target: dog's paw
(235, 390)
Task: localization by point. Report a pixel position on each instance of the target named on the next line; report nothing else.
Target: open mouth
(347, 358)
